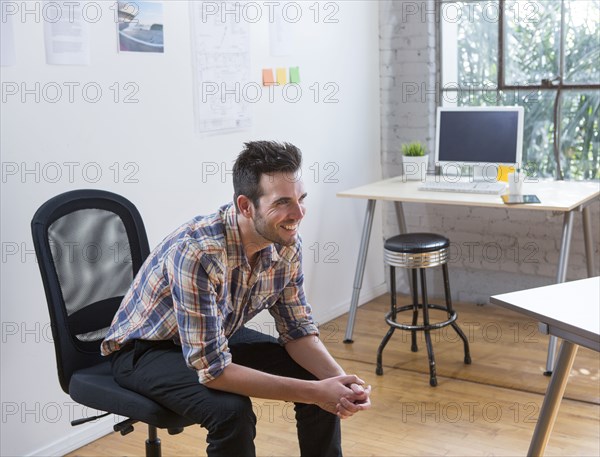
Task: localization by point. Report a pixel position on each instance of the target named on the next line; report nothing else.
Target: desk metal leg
(552, 400)
(360, 268)
(400, 217)
(402, 227)
(589, 243)
(561, 276)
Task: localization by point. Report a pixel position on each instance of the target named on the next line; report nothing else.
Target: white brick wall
(493, 250)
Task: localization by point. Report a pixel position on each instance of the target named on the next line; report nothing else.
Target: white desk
(567, 197)
(571, 311)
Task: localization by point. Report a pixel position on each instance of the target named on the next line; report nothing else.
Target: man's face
(281, 208)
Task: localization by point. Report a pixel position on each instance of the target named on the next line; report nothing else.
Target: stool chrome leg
(455, 326)
(390, 332)
(415, 297)
(432, 371)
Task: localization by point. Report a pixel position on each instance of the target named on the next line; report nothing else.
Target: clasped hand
(345, 395)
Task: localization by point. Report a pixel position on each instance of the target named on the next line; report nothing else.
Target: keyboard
(476, 187)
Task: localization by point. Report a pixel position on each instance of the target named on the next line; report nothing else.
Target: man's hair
(258, 158)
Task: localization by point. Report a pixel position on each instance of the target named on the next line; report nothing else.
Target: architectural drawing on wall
(141, 27)
(67, 33)
(221, 67)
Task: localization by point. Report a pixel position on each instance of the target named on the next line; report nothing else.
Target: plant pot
(415, 167)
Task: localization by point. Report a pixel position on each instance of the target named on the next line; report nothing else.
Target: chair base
(153, 446)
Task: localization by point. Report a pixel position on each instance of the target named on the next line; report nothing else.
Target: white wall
(155, 139)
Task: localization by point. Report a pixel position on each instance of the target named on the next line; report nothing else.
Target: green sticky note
(294, 75)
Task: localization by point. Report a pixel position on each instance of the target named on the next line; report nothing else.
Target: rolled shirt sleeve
(194, 278)
(291, 312)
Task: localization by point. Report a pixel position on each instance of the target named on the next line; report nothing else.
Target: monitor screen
(479, 135)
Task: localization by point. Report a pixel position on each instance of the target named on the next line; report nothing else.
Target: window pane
(532, 40)
(579, 134)
(582, 42)
(538, 155)
(538, 131)
(469, 44)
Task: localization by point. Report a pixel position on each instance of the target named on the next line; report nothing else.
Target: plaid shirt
(197, 288)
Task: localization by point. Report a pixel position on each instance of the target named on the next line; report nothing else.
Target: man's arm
(297, 332)
(253, 383)
(312, 355)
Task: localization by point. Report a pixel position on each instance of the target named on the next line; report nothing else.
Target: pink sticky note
(267, 77)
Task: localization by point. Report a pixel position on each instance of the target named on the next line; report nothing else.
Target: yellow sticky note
(281, 76)
(267, 77)
(503, 171)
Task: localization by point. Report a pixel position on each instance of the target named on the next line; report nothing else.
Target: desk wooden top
(570, 309)
(554, 195)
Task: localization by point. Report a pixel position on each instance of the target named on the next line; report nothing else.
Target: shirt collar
(235, 249)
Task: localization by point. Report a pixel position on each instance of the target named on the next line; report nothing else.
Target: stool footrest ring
(420, 327)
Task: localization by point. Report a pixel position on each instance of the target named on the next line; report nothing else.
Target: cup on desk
(504, 171)
(515, 183)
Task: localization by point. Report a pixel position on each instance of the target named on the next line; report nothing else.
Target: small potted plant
(414, 161)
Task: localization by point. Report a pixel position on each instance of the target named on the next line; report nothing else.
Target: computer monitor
(481, 137)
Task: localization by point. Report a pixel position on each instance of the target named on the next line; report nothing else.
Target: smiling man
(178, 336)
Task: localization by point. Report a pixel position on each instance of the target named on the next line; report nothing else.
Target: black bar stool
(418, 251)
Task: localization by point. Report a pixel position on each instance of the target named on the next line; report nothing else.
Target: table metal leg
(402, 228)
(360, 268)
(561, 276)
(589, 242)
(400, 217)
(552, 400)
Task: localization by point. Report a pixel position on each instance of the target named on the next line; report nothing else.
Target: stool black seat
(416, 252)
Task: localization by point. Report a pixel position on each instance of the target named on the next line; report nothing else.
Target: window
(542, 55)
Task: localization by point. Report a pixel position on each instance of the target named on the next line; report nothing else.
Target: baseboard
(78, 438)
(366, 295)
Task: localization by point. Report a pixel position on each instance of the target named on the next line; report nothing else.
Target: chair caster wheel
(379, 371)
(414, 348)
(468, 360)
(547, 373)
(433, 382)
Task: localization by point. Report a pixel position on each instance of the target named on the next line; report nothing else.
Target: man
(178, 336)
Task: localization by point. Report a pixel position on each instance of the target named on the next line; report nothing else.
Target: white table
(570, 311)
(566, 197)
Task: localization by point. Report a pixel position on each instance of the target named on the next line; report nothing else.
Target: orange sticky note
(281, 76)
(267, 77)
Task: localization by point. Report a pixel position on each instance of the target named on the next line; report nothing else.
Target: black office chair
(89, 245)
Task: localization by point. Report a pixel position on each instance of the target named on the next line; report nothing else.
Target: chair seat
(416, 243)
(96, 387)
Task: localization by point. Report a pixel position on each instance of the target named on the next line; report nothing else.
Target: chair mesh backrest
(89, 245)
(91, 254)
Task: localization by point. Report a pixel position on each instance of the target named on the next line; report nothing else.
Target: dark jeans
(158, 371)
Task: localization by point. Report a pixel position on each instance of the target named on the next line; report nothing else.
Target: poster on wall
(281, 37)
(141, 27)
(221, 69)
(67, 32)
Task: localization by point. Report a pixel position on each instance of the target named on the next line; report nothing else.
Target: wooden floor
(488, 408)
